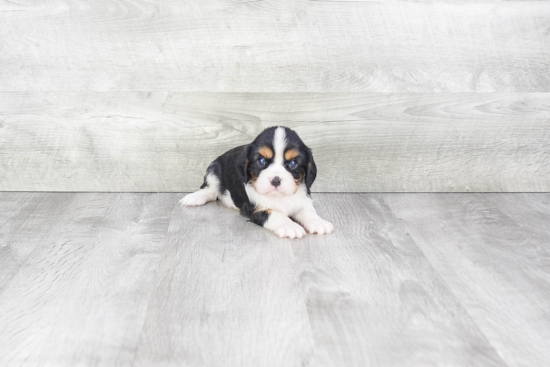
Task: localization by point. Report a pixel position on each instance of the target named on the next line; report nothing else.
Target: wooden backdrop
(140, 95)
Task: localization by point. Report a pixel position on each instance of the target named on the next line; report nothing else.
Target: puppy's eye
(292, 164)
(261, 161)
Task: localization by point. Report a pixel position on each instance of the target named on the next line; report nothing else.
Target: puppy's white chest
(284, 204)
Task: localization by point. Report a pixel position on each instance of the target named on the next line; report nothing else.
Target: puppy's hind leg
(209, 192)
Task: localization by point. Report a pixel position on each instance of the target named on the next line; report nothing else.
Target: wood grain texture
(406, 280)
(275, 46)
(226, 295)
(373, 299)
(485, 248)
(21, 214)
(80, 297)
(362, 142)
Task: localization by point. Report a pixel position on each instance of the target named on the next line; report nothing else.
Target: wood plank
(275, 46)
(406, 279)
(236, 295)
(494, 255)
(362, 142)
(226, 294)
(81, 296)
(373, 299)
(21, 214)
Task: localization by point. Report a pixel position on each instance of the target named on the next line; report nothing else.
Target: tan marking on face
(291, 154)
(266, 152)
(299, 179)
(254, 178)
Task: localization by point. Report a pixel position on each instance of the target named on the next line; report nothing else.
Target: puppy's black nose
(276, 181)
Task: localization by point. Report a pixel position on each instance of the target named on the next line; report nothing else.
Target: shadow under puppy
(268, 181)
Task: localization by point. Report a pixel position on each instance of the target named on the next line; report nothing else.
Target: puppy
(268, 181)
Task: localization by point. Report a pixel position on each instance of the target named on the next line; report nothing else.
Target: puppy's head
(277, 162)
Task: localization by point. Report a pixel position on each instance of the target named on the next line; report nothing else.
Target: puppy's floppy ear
(242, 164)
(311, 170)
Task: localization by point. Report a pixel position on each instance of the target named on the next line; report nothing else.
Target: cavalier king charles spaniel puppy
(268, 181)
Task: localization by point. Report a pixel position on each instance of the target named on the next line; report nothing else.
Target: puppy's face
(277, 163)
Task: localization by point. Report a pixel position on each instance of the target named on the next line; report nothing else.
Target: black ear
(242, 164)
(311, 170)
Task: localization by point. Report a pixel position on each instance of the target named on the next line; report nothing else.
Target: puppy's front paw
(290, 230)
(319, 226)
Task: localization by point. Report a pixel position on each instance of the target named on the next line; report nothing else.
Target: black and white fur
(271, 193)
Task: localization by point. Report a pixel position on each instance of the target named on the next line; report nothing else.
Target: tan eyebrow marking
(291, 154)
(266, 152)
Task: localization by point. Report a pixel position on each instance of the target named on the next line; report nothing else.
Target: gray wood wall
(399, 96)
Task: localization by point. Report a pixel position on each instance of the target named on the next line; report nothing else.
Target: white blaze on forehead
(279, 144)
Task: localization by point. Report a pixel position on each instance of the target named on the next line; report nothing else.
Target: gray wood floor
(406, 280)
